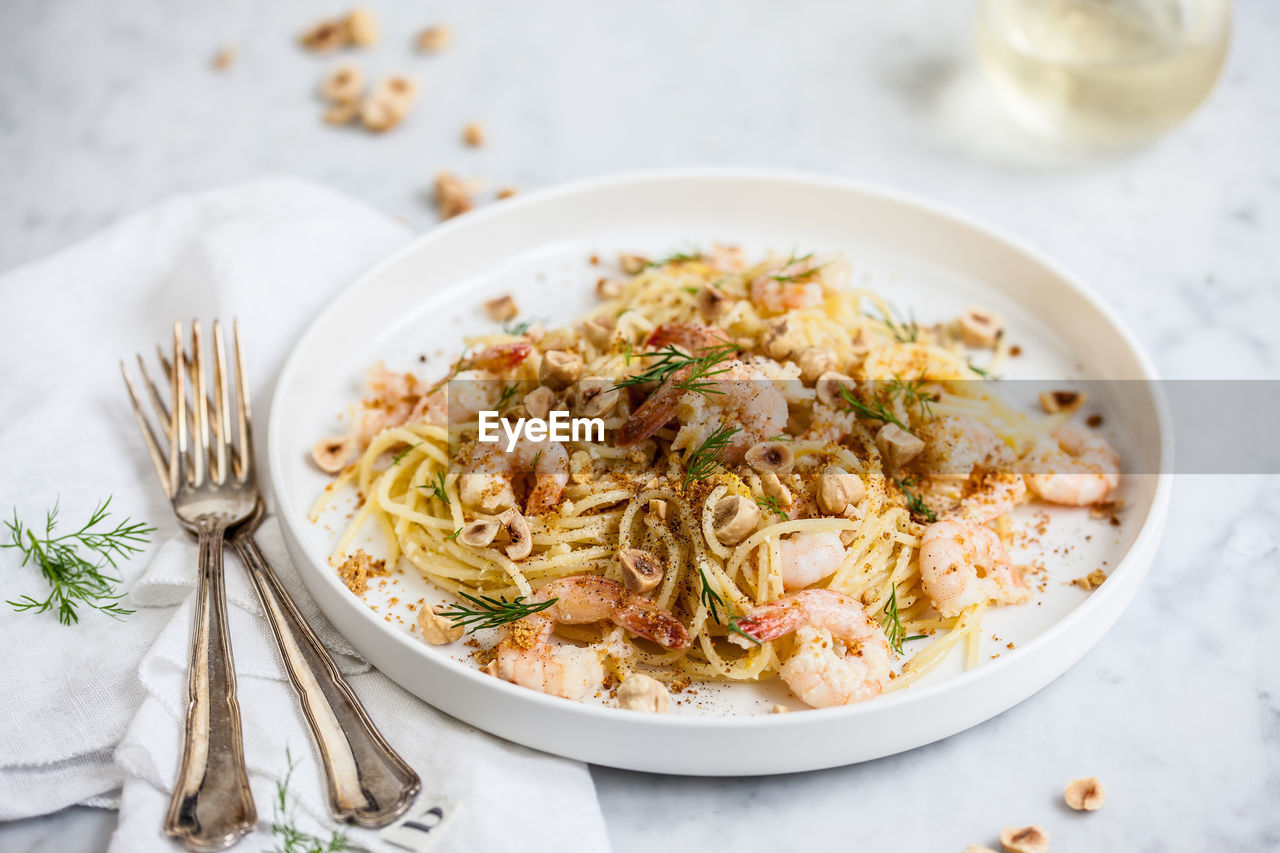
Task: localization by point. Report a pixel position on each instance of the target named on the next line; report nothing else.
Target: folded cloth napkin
(92, 713)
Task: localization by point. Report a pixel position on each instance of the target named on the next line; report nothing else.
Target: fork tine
(222, 415)
(148, 436)
(242, 400)
(157, 402)
(186, 361)
(177, 415)
(200, 400)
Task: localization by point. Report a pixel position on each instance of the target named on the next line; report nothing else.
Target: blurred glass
(1103, 72)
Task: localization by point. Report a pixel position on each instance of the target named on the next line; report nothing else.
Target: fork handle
(369, 783)
(211, 807)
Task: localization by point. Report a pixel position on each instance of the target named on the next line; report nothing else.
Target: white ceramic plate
(934, 261)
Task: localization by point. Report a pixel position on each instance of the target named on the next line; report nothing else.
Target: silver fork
(368, 782)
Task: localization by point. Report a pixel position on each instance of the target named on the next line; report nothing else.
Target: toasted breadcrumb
(452, 195)
(358, 569)
(1091, 581)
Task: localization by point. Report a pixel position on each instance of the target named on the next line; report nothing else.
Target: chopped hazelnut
(342, 113)
(657, 509)
(815, 361)
(582, 468)
(434, 38)
(435, 629)
(539, 401)
(506, 192)
(517, 528)
(774, 488)
(559, 368)
(596, 397)
(897, 446)
(980, 327)
(502, 308)
(473, 134)
(380, 115)
(453, 196)
(838, 490)
(362, 27)
(775, 456)
(599, 330)
(1029, 839)
(640, 692)
(395, 89)
(632, 264)
(324, 36)
(1091, 581)
(781, 709)
(608, 288)
(479, 533)
(641, 571)
(734, 518)
(331, 454)
(978, 848)
(777, 341)
(1054, 402)
(224, 58)
(343, 84)
(712, 301)
(829, 386)
(1086, 794)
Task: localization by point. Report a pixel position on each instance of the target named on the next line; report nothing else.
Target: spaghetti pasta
(731, 395)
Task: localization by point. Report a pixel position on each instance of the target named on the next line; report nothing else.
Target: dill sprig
(675, 258)
(292, 839)
(437, 488)
(875, 410)
(985, 374)
(804, 275)
(518, 329)
(454, 535)
(714, 601)
(903, 332)
(492, 612)
(709, 362)
(395, 460)
(892, 623)
(692, 291)
(913, 393)
(770, 503)
(457, 367)
(73, 579)
(782, 436)
(914, 502)
(508, 394)
(704, 459)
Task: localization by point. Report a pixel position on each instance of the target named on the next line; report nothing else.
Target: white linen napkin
(92, 713)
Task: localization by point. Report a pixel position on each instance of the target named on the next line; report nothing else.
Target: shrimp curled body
(487, 480)
(527, 657)
(841, 656)
(1076, 469)
(964, 564)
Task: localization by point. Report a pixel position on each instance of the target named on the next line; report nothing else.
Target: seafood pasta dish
(730, 470)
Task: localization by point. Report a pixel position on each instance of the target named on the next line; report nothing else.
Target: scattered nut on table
(502, 308)
(434, 38)
(1086, 794)
(1028, 839)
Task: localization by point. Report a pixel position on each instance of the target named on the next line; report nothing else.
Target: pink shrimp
(790, 286)
(499, 357)
(487, 481)
(841, 655)
(1076, 469)
(964, 564)
(527, 657)
(660, 407)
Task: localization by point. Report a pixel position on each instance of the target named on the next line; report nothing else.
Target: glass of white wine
(1103, 72)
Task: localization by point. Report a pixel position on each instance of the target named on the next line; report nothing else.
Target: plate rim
(1146, 539)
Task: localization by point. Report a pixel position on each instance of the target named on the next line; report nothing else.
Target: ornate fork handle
(212, 806)
(368, 782)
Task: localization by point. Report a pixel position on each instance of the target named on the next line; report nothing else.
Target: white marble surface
(105, 107)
